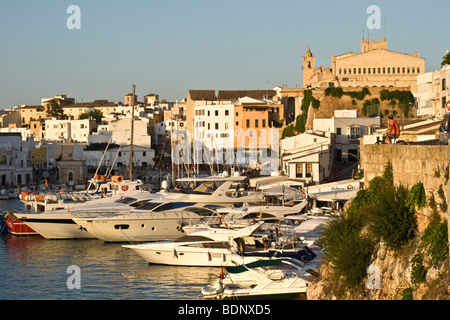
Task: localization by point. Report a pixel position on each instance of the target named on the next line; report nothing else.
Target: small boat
(260, 280)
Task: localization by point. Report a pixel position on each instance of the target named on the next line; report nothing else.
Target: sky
(171, 46)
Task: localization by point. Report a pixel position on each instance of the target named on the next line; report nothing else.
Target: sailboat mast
(132, 131)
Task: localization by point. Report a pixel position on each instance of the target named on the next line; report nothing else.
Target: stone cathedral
(375, 66)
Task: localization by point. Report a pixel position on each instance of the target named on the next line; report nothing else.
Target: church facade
(375, 66)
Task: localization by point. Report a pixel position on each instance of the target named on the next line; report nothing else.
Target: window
(379, 70)
(403, 70)
(263, 123)
(384, 70)
(226, 112)
(352, 133)
(338, 131)
(398, 70)
(217, 126)
(364, 71)
(374, 70)
(368, 70)
(340, 71)
(418, 70)
(226, 125)
(444, 102)
(308, 170)
(237, 114)
(408, 70)
(256, 123)
(359, 70)
(237, 123)
(413, 70)
(444, 84)
(248, 123)
(299, 170)
(349, 71)
(345, 71)
(389, 70)
(393, 70)
(354, 70)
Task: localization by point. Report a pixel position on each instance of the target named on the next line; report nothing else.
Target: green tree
(96, 114)
(54, 110)
(446, 59)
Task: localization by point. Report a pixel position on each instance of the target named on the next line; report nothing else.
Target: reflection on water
(36, 268)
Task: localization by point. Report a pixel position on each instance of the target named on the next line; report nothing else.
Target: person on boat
(393, 131)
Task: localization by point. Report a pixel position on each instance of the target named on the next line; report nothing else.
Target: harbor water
(32, 267)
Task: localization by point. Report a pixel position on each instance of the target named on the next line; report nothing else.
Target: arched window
(413, 70)
(418, 70)
(403, 70)
(70, 176)
(340, 71)
(368, 70)
(389, 70)
(364, 71)
(354, 70)
(374, 70)
(345, 70)
(398, 70)
(408, 70)
(393, 70)
(359, 70)
(349, 70)
(384, 70)
(379, 70)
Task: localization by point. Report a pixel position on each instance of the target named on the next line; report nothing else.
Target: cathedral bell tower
(308, 67)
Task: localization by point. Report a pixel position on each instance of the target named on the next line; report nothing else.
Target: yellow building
(375, 66)
(39, 157)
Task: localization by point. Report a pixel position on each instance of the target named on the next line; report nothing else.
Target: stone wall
(429, 164)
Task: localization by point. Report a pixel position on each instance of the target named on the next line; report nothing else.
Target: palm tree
(446, 59)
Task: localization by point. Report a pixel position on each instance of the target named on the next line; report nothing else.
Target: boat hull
(133, 230)
(56, 226)
(18, 228)
(186, 256)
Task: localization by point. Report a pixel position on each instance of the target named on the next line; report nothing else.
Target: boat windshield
(126, 200)
(146, 205)
(188, 238)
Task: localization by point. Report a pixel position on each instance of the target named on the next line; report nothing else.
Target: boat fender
(124, 188)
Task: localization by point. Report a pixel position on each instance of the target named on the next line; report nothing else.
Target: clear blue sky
(171, 46)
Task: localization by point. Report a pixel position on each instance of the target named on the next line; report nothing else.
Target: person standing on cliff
(393, 131)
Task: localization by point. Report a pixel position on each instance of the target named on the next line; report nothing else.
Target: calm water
(35, 268)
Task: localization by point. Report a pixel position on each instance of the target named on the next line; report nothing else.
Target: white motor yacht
(203, 247)
(163, 218)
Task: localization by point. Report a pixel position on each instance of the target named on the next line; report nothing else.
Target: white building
(119, 132)
(69, 130)
(214, 124)
(120, 157)
(347, 128)
(15, 163)
(433, 92)
(307, 156)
